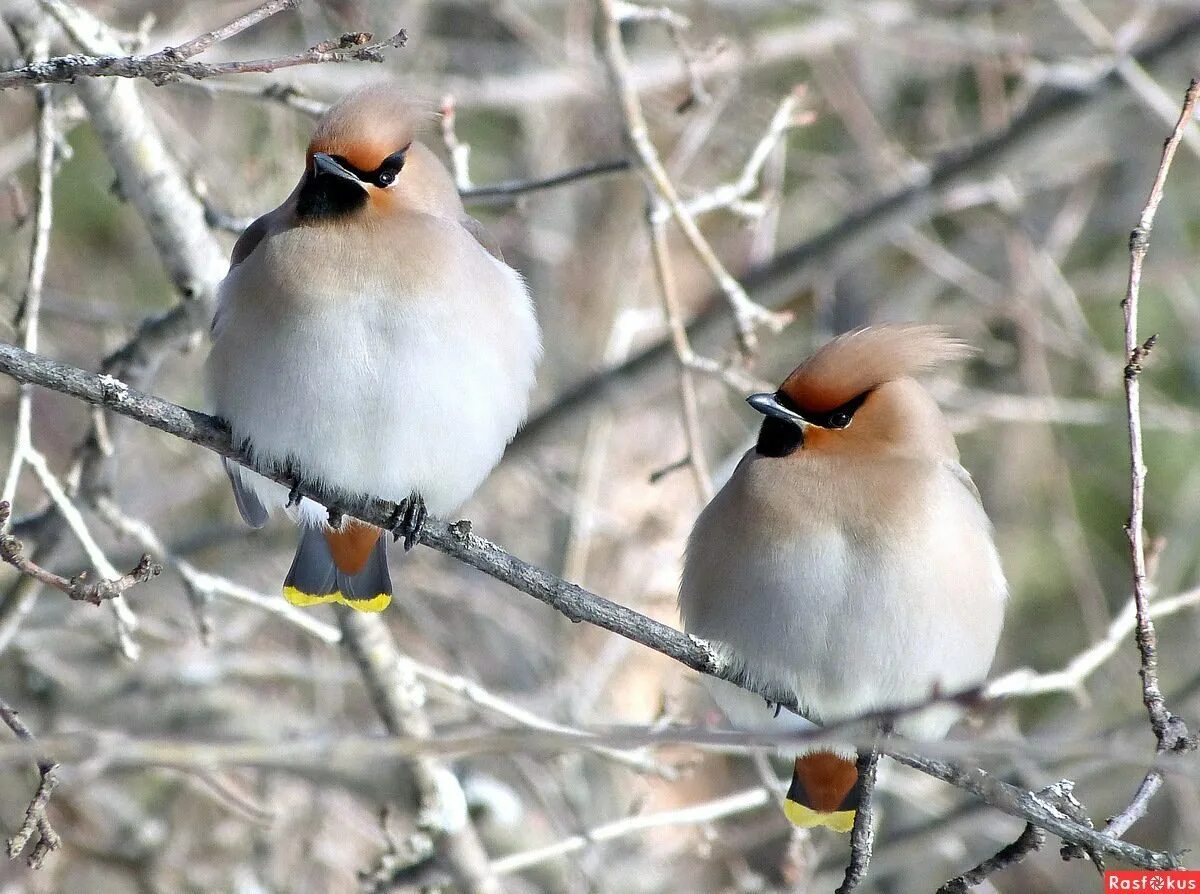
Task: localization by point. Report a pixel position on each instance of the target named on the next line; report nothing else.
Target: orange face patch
(365, 155)
(352, 545)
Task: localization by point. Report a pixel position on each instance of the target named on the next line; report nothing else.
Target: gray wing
(482, 236)
(251, 236)
(254, 513)
(244, 247)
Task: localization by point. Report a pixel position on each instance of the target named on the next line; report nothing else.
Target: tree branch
(399, 699)
(78, 587)
(747, 314)
(1030, 840)
(1170, 732)
(858, 231)
(862, 836)
(168, 65)
(576, 603)
(35, 814)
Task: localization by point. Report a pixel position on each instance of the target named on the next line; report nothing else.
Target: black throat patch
(777, 438)
(329, 196)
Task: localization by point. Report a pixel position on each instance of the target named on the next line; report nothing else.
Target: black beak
(769, 405)
(325, 165)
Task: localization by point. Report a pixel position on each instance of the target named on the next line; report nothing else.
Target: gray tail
(314, 578)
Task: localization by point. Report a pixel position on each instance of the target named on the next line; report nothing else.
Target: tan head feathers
(866, 358)
(368, 125)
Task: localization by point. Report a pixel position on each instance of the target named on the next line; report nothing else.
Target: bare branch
(689, 405)
(747, 314)
(399, 699)
(1136, 352)
(476, 694)
(861, 229)
(166, 66)
(36, 819)
(862, 836)
(1025, 682)
(1030, 840)
(576, 603)
(202, 585)
(459, 152)
(1169, 730)
(512, 189)
(203, 42)
(1058, 814)
(732, 805)
(29, 310)
(732, 195)
(79, 587)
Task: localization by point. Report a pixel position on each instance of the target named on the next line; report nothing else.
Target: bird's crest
(368, 125)
(854, 363)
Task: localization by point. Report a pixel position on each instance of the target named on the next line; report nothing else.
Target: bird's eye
(839, 419)
(385, 178)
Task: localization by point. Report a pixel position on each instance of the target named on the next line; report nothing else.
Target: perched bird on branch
(369, 337)
(848, 560)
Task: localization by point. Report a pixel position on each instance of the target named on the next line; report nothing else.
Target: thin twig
(1024, 682)
(857, 232)
(399, 699)
(747, 314)
(459, 152)
(204, 584)
(732, 805)
(163, 67)
(79, 587)
(689, 405)
(511, 189)
(29, 310)
(1056, 814)
(1030, 840)
(862, 835)
(203, 42)
(1170, 731)
(731, 195)
(676, 25)
(35, 814)
(126, 621)
(476, 694)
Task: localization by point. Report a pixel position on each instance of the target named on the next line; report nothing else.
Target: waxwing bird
(369, 336)
(848, 559)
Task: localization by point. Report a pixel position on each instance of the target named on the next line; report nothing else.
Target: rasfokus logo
(1151, 880)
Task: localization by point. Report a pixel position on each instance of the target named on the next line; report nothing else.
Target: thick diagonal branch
(578, 604)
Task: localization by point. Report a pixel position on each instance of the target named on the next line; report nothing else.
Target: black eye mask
(838, 417)
(777, 437)
(384, 175)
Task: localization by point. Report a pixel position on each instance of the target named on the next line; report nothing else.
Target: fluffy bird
(370, 337)
(848, 559)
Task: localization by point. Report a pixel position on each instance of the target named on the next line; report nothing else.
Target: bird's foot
(293, 475)
(408, 519)
(776, 705)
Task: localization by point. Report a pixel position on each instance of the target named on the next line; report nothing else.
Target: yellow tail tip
(301, 599)
(807, 818)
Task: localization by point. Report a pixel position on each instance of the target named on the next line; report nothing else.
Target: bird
(369, 338)
(848, 560)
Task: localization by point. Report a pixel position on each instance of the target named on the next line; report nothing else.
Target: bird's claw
(407, 520)
(775, 705)
(293, 475)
